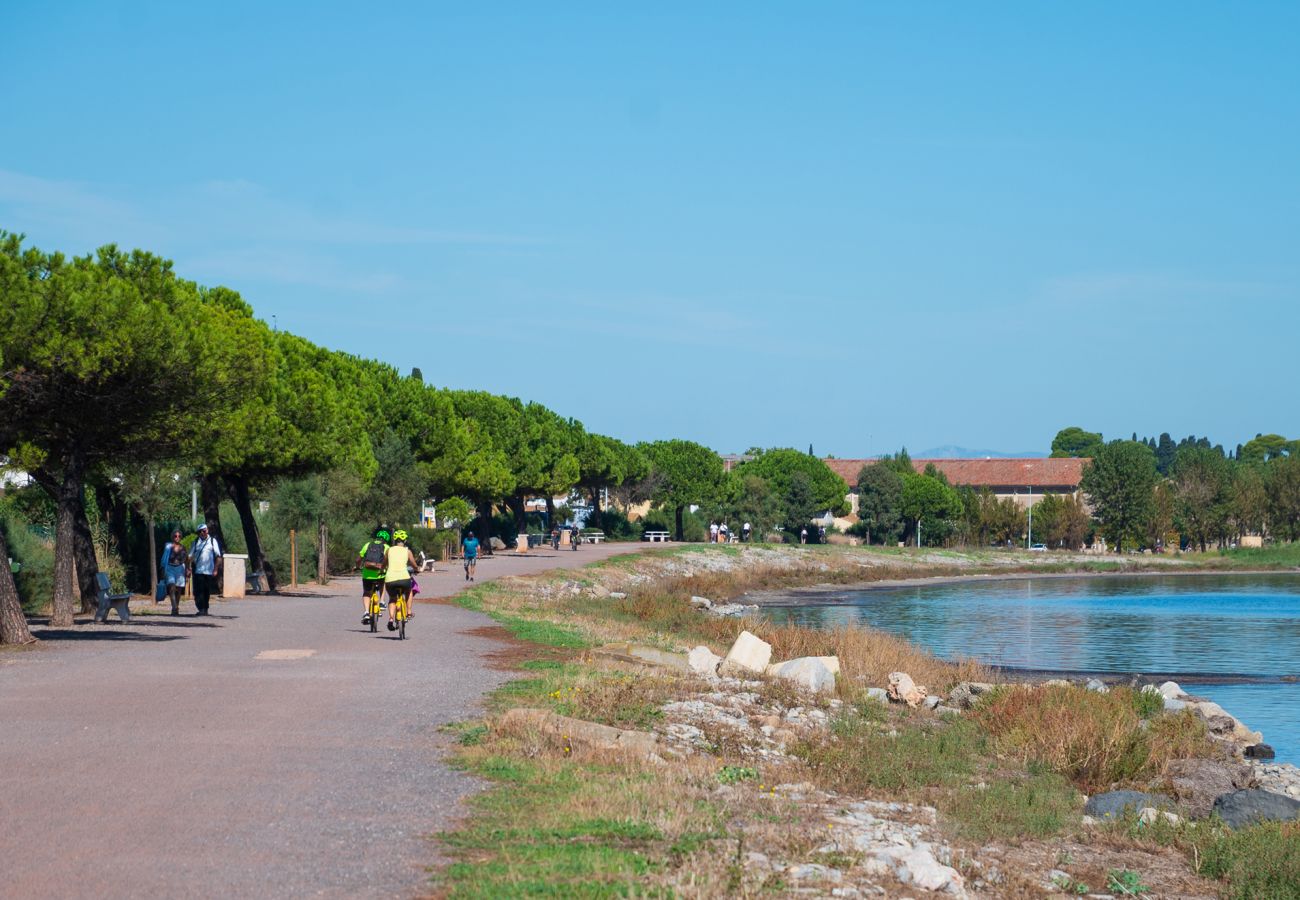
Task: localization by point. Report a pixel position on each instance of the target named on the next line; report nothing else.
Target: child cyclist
(397, 578)
(371, 559)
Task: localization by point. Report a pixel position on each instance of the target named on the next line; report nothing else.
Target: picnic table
(654, 536)
(591, 537)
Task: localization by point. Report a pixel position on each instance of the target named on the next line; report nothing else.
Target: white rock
(1172, 691)
(1097, 685)
(917, 866)
(617, 595)
(809, 672)
(1173, 705)
(1149, 815)
(880, 694)
(701, 603)
(932, 701)
(903, 689)
(703, 661)
(813, 872)
(748, 654)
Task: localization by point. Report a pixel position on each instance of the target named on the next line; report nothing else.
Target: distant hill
(950, 451)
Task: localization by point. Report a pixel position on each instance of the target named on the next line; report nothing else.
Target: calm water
(1214, 624)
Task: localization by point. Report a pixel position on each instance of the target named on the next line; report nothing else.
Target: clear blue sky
(853, 225)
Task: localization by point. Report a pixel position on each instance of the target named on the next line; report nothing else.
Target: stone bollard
(521, 543)
(235, 569)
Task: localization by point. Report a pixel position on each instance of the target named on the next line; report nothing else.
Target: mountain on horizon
(952, 451)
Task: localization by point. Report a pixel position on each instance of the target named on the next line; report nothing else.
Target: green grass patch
(867, 755)
(1261, 862)
(1037, 806)
(1277, 555)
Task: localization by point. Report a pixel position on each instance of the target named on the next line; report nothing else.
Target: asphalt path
(273, 749)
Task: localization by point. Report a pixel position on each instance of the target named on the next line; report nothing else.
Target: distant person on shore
(469, 552)
(821, 534)
(175, 566)
(713, 532)
(803, 535)
(205, 562)
(724, 533)
(744, 532)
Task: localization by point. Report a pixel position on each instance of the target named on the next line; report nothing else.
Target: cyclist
(397, 577)
(469, 550)
(371, 559)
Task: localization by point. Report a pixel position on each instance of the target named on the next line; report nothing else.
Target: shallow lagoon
(1228, 625)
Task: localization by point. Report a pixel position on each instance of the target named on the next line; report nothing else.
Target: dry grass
(1094, 739)
(868, 656)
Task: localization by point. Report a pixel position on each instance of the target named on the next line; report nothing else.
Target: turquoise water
(1212, 624)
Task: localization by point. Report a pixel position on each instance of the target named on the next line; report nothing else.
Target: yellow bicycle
(376, 603)
(401, 612)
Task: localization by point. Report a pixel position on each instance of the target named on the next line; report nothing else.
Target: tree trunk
(85, 566)
(550, 512)
(681, 531)
(210, 504)
(485, 526)
(117, 515)
(518, 506)
(83, 550)
(153, 565)
(595, 500)
(322, 553)
(238, 485)
(13, 624)
(64, 539)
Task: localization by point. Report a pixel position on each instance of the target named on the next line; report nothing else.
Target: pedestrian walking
(724, 533)
(175, 566)
(205, 563)
(713, 532)
(744, 532)
(803, 535)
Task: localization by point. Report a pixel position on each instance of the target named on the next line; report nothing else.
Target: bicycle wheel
(401, 620)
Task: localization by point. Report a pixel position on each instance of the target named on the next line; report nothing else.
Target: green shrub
(34, 555)
(1148, 703)
(1258, 862)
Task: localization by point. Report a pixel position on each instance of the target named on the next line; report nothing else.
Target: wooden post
(293, 557)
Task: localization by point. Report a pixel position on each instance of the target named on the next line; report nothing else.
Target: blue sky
(853, 225)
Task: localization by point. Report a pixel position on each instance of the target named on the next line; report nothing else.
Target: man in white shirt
(205, 560)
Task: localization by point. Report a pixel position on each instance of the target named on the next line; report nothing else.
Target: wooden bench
(654, 536)
(108, 600)
(592, 537)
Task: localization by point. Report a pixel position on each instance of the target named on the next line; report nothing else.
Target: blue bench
(108, 600)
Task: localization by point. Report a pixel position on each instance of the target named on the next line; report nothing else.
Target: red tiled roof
(1036, 472)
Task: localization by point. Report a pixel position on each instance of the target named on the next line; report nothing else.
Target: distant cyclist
(469, 550)
(400, 566)
(371, 559)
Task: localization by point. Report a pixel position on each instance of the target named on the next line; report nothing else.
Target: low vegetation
(1013, 771)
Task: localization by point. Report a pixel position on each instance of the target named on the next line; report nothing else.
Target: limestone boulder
(701, 603)
(809, 672)
(749, 655)
(965, 693)
(577, 733)
(902, 689)
(703, 661)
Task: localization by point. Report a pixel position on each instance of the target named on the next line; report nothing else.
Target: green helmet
(381, 534)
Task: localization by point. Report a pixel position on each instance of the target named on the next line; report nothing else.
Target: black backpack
(373, 559)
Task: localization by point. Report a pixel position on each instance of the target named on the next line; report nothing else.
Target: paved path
(275, 748)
